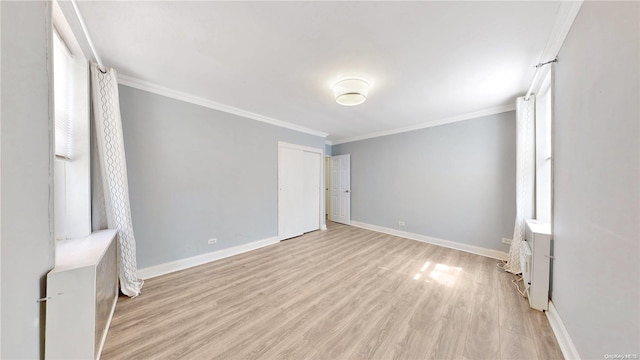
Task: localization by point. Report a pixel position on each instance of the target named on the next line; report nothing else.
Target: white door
(290, 191)
(340, 189)
(312, 191)
(299, 190)
(327, 194)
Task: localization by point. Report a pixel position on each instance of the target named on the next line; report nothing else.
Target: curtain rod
(536, 75)
(101, 66)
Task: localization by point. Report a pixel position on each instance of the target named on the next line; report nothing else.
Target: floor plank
(343, 293)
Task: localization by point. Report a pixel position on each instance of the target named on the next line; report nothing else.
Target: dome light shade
(350, 92)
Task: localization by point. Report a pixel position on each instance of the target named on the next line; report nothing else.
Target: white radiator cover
(538, 237)
(82, 290)
(525, 264)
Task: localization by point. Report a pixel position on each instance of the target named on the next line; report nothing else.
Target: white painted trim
(567, 347)
(107, 326)
(72, 19)
(300, 147)
(177, 265)
(564, 20)
(449, 120)
(182, 96)
(494, 254)
(86, 34)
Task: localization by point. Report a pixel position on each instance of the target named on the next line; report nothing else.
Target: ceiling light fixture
(350, 92)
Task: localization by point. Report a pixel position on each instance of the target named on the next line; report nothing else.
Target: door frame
(327, 195)
(321, 210)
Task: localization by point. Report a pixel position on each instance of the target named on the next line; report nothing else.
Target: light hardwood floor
(344, 293)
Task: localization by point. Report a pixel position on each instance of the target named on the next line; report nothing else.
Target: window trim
(544, 151)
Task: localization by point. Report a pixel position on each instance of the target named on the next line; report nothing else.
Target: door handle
(346, 191)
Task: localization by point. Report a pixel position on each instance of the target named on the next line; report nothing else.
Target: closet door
(290, 192)
(312, 190)
(299, 190)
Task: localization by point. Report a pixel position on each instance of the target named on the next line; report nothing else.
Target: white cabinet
(82, 290)
(538, 237)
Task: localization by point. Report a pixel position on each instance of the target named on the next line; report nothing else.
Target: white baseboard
(562, 335)
(495, 254)
(182, 264)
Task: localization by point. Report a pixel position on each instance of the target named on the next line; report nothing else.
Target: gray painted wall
(197, 173)
(596, 277)
(454, 182)
(27, 248)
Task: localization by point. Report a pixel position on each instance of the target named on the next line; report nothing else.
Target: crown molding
(565, 17)
(449, 120)
(178, 95)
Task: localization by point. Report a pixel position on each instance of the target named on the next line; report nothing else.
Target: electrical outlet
(212, 241)
(506, 241)
(401, 223)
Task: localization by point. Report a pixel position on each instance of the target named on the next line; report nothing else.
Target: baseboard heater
(82, 290)
(535, 260)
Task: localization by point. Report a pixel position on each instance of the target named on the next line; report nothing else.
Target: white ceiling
(426, 61)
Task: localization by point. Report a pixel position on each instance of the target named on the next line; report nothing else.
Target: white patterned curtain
(525, 176)
(110, 190)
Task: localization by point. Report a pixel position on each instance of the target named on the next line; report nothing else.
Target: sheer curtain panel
(525, 176)
(110, 203)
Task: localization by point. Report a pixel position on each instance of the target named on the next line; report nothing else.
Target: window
(63, 97)
(543, 123)
(71, 173)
